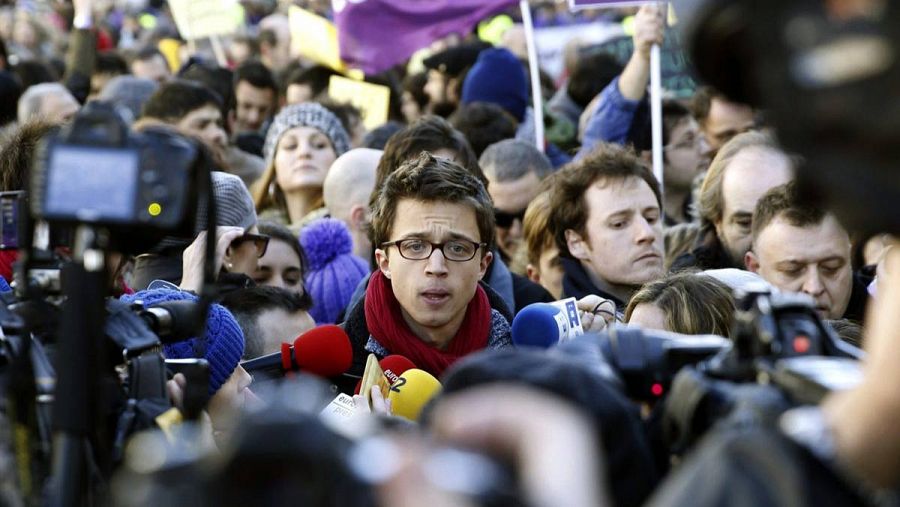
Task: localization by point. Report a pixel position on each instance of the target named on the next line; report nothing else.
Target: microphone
(539, 325)
(324, 351)
(392, 366)
(411, 392)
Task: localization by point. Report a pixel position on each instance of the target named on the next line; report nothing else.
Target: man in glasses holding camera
(433, 225)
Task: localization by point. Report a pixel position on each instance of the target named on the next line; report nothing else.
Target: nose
(645, 232)
(217, 136)
(436, 264)
(812, 283)
(515, 230)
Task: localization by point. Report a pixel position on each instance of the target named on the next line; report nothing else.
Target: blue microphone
(539, 325)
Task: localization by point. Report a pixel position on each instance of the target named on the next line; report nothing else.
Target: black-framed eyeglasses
(260, 241)
(457, 250)
(505, 220)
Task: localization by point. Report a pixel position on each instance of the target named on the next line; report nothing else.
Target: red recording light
(801, 344)
(656, 389)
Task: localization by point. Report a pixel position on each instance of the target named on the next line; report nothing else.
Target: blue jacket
(610, 121)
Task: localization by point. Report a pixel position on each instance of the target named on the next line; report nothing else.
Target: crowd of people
(427, 235)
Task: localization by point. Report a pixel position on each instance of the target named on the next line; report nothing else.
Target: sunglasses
(505, 220)
(260, 241)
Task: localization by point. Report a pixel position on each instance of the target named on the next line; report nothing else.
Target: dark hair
(693, 303)
(673, 113)
(702, 102)
(429, 133)
(281, 233)
(217, 79)
(109, 62)
(378, 137)
(348, 114)
(429, 178)
(32, 72)
(592, 74)
(316, 77)
(511, 159)
(483, 124)
(10, 92)
(415, 85)
(248, 304)
(785, 201)
(257, 74)
(847, 330)
(147, 53)
(567, 204)
(251, 42)
(175, 99)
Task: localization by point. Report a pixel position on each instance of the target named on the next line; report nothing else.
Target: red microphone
(324, 351)
(393, 366)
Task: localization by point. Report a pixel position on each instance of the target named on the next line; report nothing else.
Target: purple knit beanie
(333, 272)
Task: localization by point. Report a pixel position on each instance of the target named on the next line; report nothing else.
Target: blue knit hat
(222, 347)
(499, 78)
(333, 272)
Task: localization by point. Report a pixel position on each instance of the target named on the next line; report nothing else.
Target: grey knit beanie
(234, 205)
(307, 114)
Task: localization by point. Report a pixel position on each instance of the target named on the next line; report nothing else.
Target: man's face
(624, 243)
(436, 88)
(154, 69)
(510, 200)
(724, 121)
(277, 326)
(58, 107)
(551, 271)
(254, 105)
(685, 154)
(205, 123)
(748, 177)
(434, 292)
(814, 260)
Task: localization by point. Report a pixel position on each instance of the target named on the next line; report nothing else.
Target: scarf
(385, 322)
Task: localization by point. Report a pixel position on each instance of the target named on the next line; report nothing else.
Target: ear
(382, 260)
(357, 217)
(532, 273)
(577, 245)
(484, 263)
(751, 262)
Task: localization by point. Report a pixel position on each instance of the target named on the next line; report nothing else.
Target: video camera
(780, 355)
(80, 367)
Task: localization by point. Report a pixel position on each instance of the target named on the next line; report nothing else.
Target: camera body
(147, 180)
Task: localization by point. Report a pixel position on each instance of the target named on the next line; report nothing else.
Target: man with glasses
(433, 225)
(514, 170)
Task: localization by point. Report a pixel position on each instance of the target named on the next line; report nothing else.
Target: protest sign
(197, 19)
(677, 74)
(575, 5)
(372, 100)
(314, 37)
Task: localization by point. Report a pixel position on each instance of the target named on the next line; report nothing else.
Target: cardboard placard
(197, 19)
(373, 376)
(372, 100)
(315, 38)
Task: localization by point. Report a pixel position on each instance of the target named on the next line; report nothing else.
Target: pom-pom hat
(333, 272)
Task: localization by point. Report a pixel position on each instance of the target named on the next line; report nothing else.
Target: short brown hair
(429, 178)
(568, 209)
(710, 203)
(692, 302)
(785, 201)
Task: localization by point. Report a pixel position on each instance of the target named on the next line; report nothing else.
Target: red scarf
(386, 324)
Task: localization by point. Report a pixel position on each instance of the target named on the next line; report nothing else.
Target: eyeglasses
(457, 250)
(505, 220)
(260, 241)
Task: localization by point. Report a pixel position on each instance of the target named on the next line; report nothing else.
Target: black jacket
(577, 284)
(707, 253)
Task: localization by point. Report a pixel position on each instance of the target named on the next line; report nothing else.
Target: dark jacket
(859, 297)
(577, 284)
(513, 288)
(707, 253)
(358, 330)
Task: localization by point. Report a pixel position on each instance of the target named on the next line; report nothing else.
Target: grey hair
(30, 101)
(511, 159)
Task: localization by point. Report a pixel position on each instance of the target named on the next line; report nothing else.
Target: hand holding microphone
(324, 351)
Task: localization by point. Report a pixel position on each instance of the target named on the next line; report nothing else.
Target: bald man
(346, 191)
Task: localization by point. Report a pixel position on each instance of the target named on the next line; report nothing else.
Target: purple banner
(375, 35)
(587, 4)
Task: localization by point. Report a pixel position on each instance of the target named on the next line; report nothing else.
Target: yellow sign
(197, 19)
(314, 37)
(372, 100)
